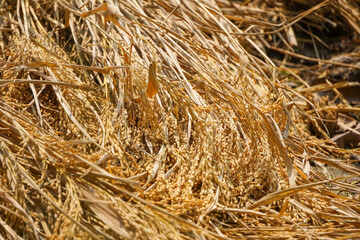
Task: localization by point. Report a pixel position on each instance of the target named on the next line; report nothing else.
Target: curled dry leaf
(107, 10)
(152, 87)
(67, 18)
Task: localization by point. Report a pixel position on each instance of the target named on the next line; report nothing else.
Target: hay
(149, 120)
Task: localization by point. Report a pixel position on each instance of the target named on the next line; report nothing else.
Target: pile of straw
(152, 120)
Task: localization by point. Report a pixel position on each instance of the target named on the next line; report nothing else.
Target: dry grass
(97, 143)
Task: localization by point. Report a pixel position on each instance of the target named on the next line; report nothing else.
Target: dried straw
(149, 120)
